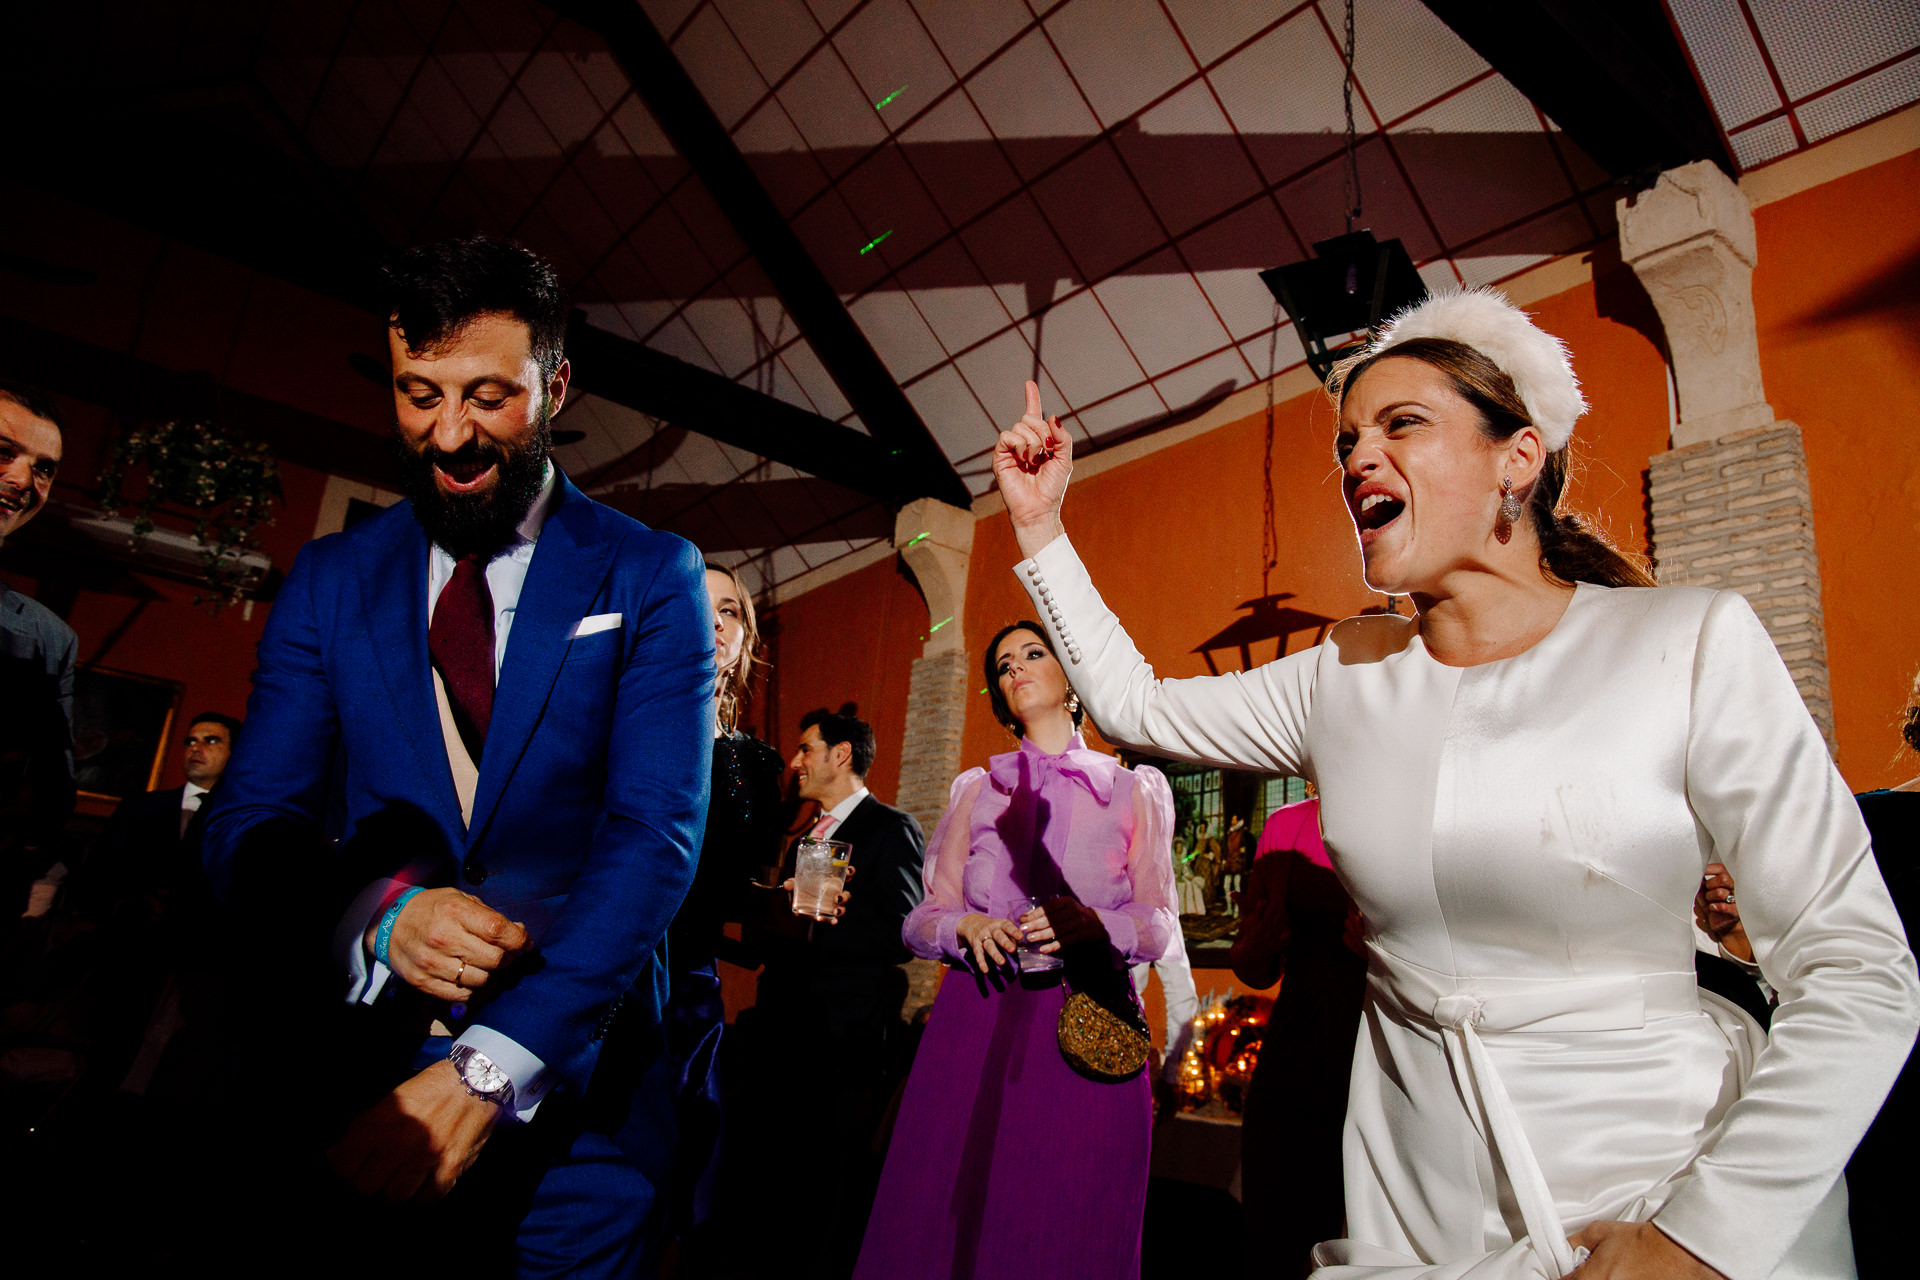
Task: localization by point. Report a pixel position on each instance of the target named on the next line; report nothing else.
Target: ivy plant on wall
(228, 486)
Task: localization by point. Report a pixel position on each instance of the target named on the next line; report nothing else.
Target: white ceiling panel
(968, 31)
(1134, 409)
(897, 332)
(775, 33)
(1865, 99)
(948, 408)
(1404, 56)
(1122, 53)
(1084, 352)
(726, 76)
(894, 60)
(1205, 381)
(1027, 98)
(1291, 130)
(1212, 27)
(831, 112)
(1162, 314)
(1817, 45)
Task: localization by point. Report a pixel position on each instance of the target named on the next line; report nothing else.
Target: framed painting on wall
(1217, 817)
(122, 723)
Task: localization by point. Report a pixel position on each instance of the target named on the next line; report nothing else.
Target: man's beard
(464, 524)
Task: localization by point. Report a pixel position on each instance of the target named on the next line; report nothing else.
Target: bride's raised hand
(1031, 465)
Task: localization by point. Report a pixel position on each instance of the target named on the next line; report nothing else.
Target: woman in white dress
(1520, 787)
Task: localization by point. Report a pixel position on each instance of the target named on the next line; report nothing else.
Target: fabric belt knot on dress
(1579, 1004)
(1457, 1013)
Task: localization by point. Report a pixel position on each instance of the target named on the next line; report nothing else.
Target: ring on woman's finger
(460, 975)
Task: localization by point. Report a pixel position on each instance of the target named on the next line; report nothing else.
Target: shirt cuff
(528, 1073)
(365, 976)
(946, 934)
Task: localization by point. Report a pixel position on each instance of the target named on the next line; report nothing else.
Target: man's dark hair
(845, 726)
(230, 723)
(436, 290)
(37, 403)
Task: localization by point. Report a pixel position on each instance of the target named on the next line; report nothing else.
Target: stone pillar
(1728, 505)
(936, 541)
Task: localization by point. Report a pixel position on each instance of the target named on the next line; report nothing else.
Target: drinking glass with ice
(819, 873)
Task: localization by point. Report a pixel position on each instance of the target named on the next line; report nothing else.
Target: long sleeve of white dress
(1827, 939)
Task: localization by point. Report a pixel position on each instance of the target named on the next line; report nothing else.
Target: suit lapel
(393, 598)
(570, 563)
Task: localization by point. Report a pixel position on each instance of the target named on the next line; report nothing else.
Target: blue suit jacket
(592, 791)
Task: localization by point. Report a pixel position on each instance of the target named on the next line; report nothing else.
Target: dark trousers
(805, 1098)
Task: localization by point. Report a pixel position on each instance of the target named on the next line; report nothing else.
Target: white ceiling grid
(1080, 192)
(1782, 75)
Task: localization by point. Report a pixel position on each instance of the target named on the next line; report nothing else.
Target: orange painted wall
(1837, 291)
(853, 640)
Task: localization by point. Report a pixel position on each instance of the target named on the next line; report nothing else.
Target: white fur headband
(1538, 362)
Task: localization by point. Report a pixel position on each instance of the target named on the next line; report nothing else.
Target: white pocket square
(598, 622)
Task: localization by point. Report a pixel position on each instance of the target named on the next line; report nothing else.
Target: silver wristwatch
(480, 1077)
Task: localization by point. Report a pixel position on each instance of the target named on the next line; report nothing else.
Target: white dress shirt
(190, 804)
(840, 811)
(506, 575)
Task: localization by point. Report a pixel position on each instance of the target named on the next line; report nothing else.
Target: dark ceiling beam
(94, 374)
(661, 386)
(1614, 76)
(922, 467)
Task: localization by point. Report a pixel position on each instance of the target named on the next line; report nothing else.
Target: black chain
(1269, 533)
(1351, 186)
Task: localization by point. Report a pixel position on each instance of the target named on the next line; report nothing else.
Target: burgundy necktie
(460, 641)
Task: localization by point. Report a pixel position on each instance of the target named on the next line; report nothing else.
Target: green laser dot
(875, 242)
(918, 538)
(890, 97)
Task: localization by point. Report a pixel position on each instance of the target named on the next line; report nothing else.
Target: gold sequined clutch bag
(1099, 1043)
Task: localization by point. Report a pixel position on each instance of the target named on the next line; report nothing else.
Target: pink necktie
(460, 642)
(821, 827)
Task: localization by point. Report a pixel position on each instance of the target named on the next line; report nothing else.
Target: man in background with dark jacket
(823, 1048)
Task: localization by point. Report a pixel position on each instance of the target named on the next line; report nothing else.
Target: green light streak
(918, 538)
(890, 97)
(936, 626)
(875, 243)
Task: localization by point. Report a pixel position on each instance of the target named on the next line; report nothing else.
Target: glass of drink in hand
(819, 873)
(1032, 959)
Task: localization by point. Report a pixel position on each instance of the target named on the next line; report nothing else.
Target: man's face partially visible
(208, 747)
(471, 415)
(29, 457)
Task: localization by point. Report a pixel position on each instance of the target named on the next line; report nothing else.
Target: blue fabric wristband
(383, 936)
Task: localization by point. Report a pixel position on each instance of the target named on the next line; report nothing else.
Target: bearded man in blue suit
(477, 749)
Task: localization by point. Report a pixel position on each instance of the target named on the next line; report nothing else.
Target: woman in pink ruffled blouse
(1005, 1159)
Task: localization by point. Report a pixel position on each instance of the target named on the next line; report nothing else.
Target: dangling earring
(1073, 703)
(1510, 512)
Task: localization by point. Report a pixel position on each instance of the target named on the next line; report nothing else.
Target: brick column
(1736, 512)
(1728, 506)
(936, 541)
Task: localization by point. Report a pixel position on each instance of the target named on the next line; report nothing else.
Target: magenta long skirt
(1005, 1161)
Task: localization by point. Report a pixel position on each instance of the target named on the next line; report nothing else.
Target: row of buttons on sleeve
(1053, 613)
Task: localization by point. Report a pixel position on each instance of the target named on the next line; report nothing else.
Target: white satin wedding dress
(1525, 839)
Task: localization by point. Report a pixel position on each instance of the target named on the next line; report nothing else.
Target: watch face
(482, 1076)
